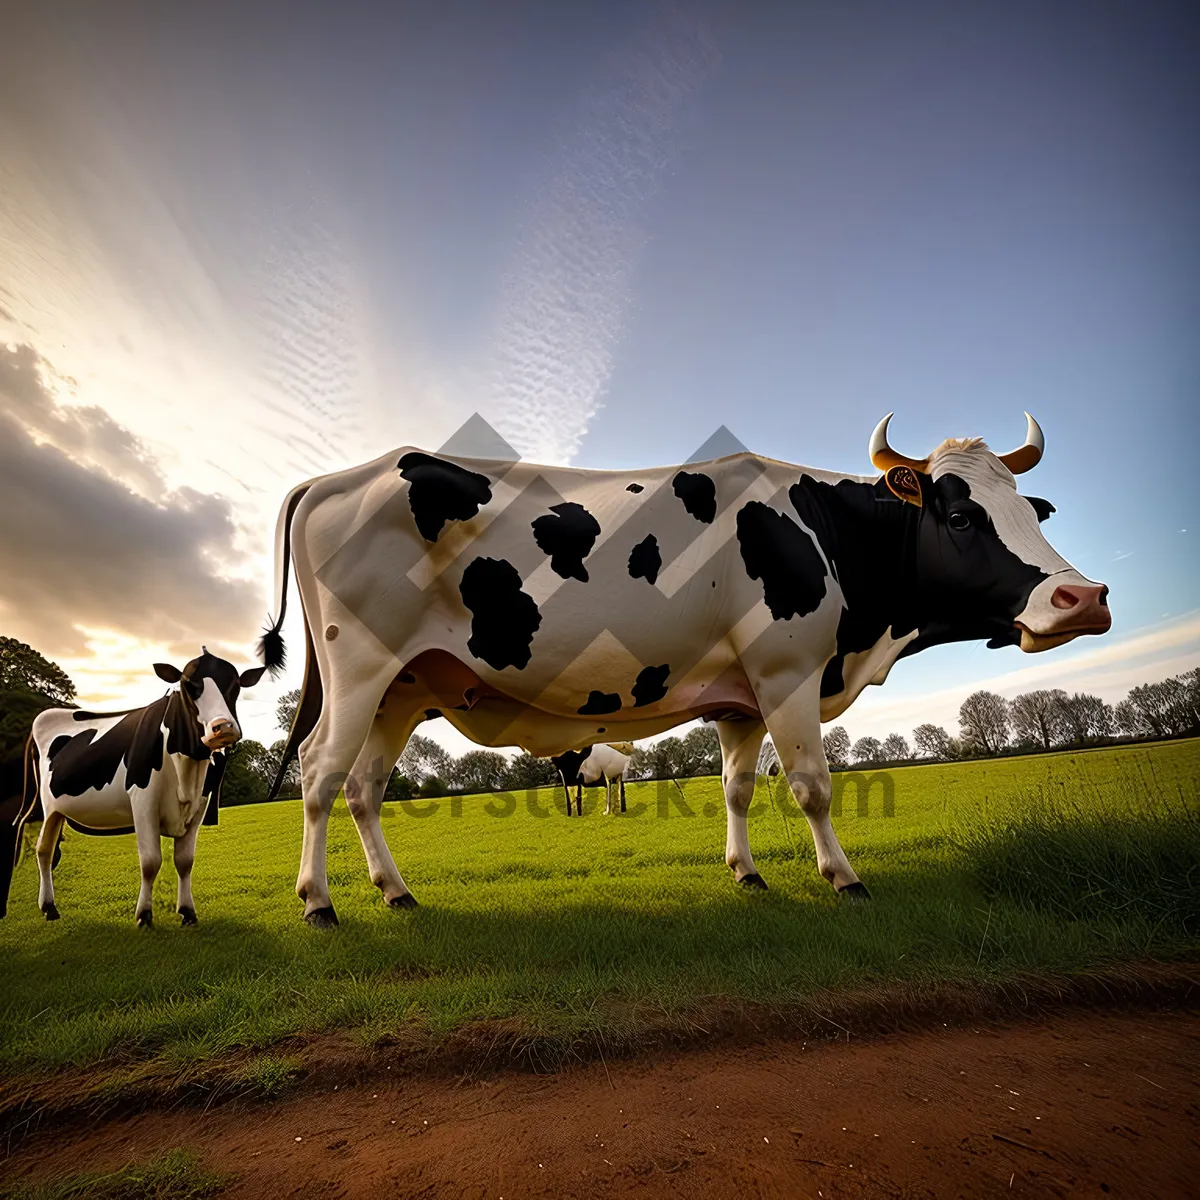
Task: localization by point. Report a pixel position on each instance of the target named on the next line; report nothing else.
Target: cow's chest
(179, 794)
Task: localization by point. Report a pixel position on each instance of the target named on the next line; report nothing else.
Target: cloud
(563, 307)
(80, 549)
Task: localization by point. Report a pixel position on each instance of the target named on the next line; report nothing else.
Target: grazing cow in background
(546, 607)
(154, 771)
(589, 765)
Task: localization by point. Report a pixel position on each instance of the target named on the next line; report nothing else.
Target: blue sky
(272, 240)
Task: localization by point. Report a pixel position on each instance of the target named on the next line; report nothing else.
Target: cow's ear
(1043, 508)
(904, 483)
(168, 673)
(251, 676)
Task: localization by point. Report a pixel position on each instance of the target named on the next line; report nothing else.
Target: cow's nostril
(1064, 597)
(1104, 597)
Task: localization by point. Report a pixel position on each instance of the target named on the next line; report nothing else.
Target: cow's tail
(308, 709)
(271, 650)
(30, 801)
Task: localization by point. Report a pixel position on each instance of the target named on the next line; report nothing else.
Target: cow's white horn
(884, 457)
(1026, 457)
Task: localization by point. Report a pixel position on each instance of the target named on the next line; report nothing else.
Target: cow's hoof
(408, 900)
(187, 916)
(50, 911)
(754, 882)
(145, 920)
(322, 918)
(855, 892)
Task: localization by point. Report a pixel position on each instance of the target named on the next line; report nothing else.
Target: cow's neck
(869, 538)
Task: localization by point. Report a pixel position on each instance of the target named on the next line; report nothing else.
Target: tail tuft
(271, 650)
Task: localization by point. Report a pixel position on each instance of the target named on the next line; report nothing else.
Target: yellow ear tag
(904, 485)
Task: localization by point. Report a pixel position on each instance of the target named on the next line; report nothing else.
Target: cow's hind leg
(621, 781)
(740, 744)
(47, 845)
(392, 727)
(326, 759)
(185, 856)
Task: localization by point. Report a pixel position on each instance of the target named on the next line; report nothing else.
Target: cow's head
(210, 686)
(983, 567)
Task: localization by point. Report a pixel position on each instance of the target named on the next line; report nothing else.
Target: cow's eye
(193, 688)
(960, 521)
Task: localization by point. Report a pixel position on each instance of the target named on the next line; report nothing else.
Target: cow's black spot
(645, 561)
(651, 685)
(430, 713)
(441, 491)
(698, 493)
(406, 677)
(599, 703)
(635, 488)
(78, 714)
(503, 618)
(776, 550)
(568, 536)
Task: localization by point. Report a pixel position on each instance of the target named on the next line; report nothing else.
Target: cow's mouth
(220, 741)
(1035, 643)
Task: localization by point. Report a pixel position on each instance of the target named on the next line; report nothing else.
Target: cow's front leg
(185, 856)
(795, 728)
(149, 844)
(740, 744)
(47, 845)
(621, 781)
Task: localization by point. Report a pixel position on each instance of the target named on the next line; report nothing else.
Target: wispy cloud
(564, 303)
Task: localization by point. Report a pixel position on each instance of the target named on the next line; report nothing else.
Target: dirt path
(1087, 1104)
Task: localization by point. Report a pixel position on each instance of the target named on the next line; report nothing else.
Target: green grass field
(603, 928)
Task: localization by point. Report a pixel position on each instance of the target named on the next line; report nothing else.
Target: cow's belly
(97, 808)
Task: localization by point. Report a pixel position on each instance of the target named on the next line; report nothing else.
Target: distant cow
(154, 771)
(589, 765)
(552, 608)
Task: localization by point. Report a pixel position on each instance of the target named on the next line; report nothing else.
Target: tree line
(1047, 719)
(988, 725)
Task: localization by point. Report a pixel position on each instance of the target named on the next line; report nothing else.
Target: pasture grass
(559, 932)
(174, 1175)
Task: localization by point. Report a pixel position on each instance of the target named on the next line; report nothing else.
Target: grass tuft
(1068, 860)
(174, 1175)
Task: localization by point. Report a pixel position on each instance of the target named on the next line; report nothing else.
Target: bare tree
(895, 748)
(768, 759)
(423, 757)
(285, 709)
(932, 741)
(984, 720)
(1038, 717)
(1161, 709)
(867, 750)
(1085, 718)
(837, 747)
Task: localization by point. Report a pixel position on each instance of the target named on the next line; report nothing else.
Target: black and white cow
(590, 764)
(154, 771)
(548, 607)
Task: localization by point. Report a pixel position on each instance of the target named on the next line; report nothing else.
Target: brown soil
(1083, 1104)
